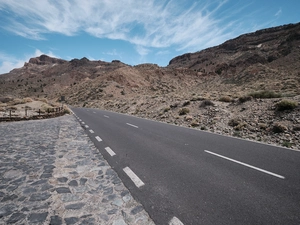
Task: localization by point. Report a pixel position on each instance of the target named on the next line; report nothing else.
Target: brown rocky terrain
(246, 87)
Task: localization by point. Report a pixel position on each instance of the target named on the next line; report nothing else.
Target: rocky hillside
(234, 88)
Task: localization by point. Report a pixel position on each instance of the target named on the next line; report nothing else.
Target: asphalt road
(186, 176)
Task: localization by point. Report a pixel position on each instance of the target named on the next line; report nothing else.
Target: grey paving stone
(83, 181)
(56, 220)
(63, 190)
(62, 179)
(40, 196)
(37, 217)
(136, 210)
(75, 206)
(16, 217)
(73, 183)
(71, 220)
(44, 171)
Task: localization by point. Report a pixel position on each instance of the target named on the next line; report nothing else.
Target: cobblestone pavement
(51, 173)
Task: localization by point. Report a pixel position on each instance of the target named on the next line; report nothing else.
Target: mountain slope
(222, 89)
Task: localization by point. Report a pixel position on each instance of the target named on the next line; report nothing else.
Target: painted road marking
(91, 131)
(135, 179)
(86, 126)
(129, 124)
(111, 152)
(106, 116)
(247, 165)
(98, 138)
(94, 112)
(175, 221)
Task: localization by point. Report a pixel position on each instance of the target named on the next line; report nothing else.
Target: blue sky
(133, 31)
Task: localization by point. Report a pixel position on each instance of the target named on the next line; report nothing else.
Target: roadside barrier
(31, 114)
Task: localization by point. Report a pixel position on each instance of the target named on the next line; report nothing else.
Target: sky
(132, 31)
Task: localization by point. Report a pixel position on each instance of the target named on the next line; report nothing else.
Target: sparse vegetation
(245, 99)
(183, 111)
(225, 99)
(286, 105)
(265, 94)
(206, 103)
(279, 128)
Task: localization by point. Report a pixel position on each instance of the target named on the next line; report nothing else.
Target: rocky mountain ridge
(231, 89)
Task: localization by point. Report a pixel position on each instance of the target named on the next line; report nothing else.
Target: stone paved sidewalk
(51, 173)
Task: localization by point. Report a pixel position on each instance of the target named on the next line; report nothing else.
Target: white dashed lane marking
(106, 116)
(245, 164)
(175, 221)
(98, 138)
(129, 124)
(86, 126)
(110, 151)
(91, 131)
(135, 179)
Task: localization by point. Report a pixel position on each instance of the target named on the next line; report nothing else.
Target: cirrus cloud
(151, 23)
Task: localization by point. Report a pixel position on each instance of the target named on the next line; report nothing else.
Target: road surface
(186, 176)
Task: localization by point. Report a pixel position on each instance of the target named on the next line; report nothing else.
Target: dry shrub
(206, 103)
(5, 99)
(245, 99)
(27, 100)
(279, 128)
(265, 94)
(183, 111)
(286, 105)
(225, 99)
(17, 101)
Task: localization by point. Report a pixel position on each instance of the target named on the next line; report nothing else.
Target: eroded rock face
(268, 47)
(44, 60)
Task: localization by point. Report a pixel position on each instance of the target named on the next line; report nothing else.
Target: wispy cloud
(278, 13)
(8, 62)
(152, 23)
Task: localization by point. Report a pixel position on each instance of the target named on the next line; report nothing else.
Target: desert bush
(183, 111)
(279, 128)
(17, 101)
(245, 99)
(286, 105)
(5, 99)
(194, 99)
(265, 94)
(67, 111)
(234, 122)
(225, 99)
(27, 100)
(186, 103)
(206, 103)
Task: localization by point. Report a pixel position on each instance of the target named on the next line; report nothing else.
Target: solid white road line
(91, 131)
(98, 138)
(106, 116)
(86, 126)
(83, 122)
(129, 124)
(245, 164)
(110, 151)
(175, 221)
(135, 179)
